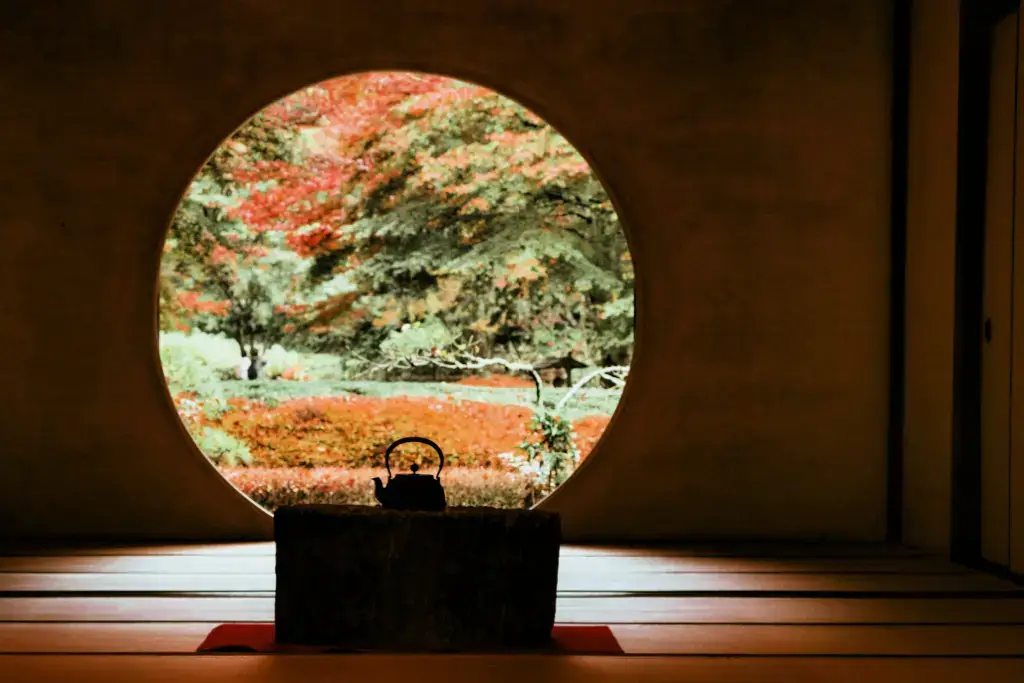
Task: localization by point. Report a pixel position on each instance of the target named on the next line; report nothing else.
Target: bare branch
(616, 374)
(462, 361)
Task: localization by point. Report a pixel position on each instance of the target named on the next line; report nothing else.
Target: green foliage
(278, 360)
(549, 455)
(393, 211)
(324, 367)
(413, 339)
(219, 275)
(207, 364)
(215, 408)
(193, 360)
(492, 226)
(595, 401)
(222, 448)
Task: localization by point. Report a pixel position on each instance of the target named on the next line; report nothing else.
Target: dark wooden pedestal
(460, 580)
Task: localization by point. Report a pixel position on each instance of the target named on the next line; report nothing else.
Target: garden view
(395, 254)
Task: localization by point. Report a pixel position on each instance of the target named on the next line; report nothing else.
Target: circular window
(386, 255)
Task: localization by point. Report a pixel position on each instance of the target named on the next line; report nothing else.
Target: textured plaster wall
(745, 142)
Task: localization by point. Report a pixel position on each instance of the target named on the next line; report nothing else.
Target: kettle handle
(414, 439)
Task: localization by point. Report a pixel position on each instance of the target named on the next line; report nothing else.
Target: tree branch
(615, 373)
(462, 361)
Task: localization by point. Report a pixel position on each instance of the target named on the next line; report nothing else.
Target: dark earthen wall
(745, 141)
(931, 258)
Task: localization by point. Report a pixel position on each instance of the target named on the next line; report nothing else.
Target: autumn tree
(218, 274)
(401, 209)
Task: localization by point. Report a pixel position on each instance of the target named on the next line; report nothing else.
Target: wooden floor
(758, 613)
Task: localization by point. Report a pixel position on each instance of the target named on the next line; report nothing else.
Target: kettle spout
(378, 490)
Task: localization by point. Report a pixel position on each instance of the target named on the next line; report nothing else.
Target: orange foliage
(353, 431)
(221, 254)
(192, 301)
(588, 430)
(294, 372)
(272, 487)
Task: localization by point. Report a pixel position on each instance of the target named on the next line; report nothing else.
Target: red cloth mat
(260, 638)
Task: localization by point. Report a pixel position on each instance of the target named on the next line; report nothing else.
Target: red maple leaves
(193, 301)
(357, 126)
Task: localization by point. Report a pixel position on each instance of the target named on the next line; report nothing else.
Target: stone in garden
(463, 579)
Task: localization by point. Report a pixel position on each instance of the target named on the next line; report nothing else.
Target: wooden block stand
(367, 578)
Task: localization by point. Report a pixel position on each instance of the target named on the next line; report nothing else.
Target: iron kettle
(411, 491)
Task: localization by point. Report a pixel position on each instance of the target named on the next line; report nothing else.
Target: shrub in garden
(587, 432)
(353, 431)
(414, 338)
(284, 364)
(548, 456)
(191, 360)
(221, 447)
(215, 408)
(273, 487)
